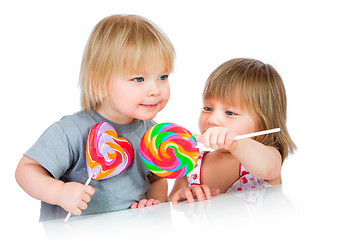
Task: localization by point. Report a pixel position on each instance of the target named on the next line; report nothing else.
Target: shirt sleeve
(53, 151)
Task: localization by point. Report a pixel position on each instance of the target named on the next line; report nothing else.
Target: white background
(41, 47)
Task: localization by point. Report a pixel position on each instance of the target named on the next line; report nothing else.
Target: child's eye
(229, 113)
(138, 79)
(208, 109)
(163, 77)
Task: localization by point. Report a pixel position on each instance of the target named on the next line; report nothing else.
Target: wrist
(233, 147)
(55, 192)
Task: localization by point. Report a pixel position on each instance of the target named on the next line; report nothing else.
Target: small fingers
(198, 137)
(215, 137)
(76, 211)
(144, 203)
(206, 192)
(151, 202)
(89, 190)
(188, 195)
(134, 205)
(198, 192)
(82, 205)
(222, 138)
(183, 194)
(204, 138)
(230, 140)
(215, 191)
(175, 199)
(203, 192)
(219, 139)
(86, 198)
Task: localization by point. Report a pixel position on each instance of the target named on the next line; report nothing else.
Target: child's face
(137, 95)
(219, 114)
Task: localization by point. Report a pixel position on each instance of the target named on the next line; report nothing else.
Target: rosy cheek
(202, 124)
(254, 127)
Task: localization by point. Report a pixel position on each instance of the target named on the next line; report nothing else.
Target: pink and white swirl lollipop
(107, 155)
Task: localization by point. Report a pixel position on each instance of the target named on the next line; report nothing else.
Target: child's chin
(146, 118)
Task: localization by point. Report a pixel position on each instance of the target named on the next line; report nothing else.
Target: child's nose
(214, 120)
(153, 89)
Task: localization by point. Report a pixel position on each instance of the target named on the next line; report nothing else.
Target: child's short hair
(257, 87)
(119, 44)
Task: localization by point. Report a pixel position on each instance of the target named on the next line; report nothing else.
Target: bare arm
(261, 161)
(178, 184)
(37, 182)
(158, 189)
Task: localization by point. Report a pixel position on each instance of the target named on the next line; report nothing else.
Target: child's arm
(156, 194)
(178, 184)
(261, 161)
(37, 182)
(158, 189)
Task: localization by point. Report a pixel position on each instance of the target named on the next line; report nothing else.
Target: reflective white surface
(259, 213)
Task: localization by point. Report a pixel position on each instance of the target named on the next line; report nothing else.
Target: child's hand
(217, 138)
(144, 203)
(73, 197)
(199, 191)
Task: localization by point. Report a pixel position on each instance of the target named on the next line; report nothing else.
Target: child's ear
(103, 93)
(97, 90)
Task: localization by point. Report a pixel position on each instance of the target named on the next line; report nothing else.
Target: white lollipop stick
(69, 214)
(257, 133)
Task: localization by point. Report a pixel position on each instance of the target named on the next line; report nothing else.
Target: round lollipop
(107, 155)
(169, 150)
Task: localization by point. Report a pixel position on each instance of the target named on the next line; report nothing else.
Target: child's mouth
(150, 105)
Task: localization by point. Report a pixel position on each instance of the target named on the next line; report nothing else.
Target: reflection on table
(250, 212)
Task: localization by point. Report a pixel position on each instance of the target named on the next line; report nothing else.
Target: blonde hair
(120, 44)
(261, 91)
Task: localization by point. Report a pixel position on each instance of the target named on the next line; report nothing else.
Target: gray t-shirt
(61, 150)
